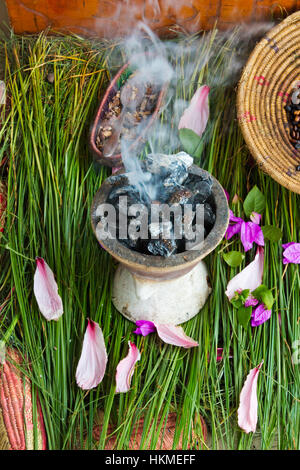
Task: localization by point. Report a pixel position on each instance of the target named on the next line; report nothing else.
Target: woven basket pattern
(264, 89)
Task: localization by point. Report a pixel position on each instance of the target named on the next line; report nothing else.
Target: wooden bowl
(263, 92)
(116, 160)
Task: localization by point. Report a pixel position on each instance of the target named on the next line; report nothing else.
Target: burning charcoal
(181, 196)
(133, 196)
(179, 174)
(209, 216)
(203, 193)
(157, 229)
(162, 247)
(159, 238)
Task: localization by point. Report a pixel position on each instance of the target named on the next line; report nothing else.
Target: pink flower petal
(291, 253)
(175, 335)
(92, 363)
(234, 226)
(260, 315)
(251, 301)
(232, 230)
(195, 117)
(286, 245)
(46, 291)
(250, 233)
(248, 278)
(125, 369)
(255, 218)
(145, 327)
(227, 194)
(247, 412)
(234, 218)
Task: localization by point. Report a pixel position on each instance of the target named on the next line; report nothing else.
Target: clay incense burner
(158, 289)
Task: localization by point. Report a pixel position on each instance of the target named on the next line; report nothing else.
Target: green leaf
(233, 258)
(244, 315)
(191, 142)
(264, 295)
(272, 233)
(254, 202)
(239, 299)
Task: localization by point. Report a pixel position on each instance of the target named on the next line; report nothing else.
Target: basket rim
(267, 165)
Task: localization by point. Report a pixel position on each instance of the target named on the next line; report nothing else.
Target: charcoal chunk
(209, 215)
(162, 247)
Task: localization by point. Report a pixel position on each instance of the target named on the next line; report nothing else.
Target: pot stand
(162, 301)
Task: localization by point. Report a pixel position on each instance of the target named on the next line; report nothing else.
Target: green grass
(51, 183)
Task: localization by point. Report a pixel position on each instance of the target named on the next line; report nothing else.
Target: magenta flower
(92, 363)
(247, 412)
(195, 117)
(46, 291)
(251, 301)
(220, 354)
(144, 327)
(249, 278)
(125, 369)
(260, 315)
(291, 253)
(250, 232)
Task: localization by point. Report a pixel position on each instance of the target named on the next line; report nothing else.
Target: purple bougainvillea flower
(226, 194)
(291, 253)
(92, 363)
(195, 117)
(247, 412)
(248, 278)
(46, 291)
(125, 369)
(250, 232)
(235, 224)
(251, 301)
(260, 315)
(145, 327)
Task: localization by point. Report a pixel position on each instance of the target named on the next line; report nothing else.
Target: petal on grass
(46, 291)
(248, 278)
(125, 369)
(247, 412)
(196, 115)
(175, 335)
(92, 363)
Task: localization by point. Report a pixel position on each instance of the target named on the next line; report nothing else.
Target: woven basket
(264, 89)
